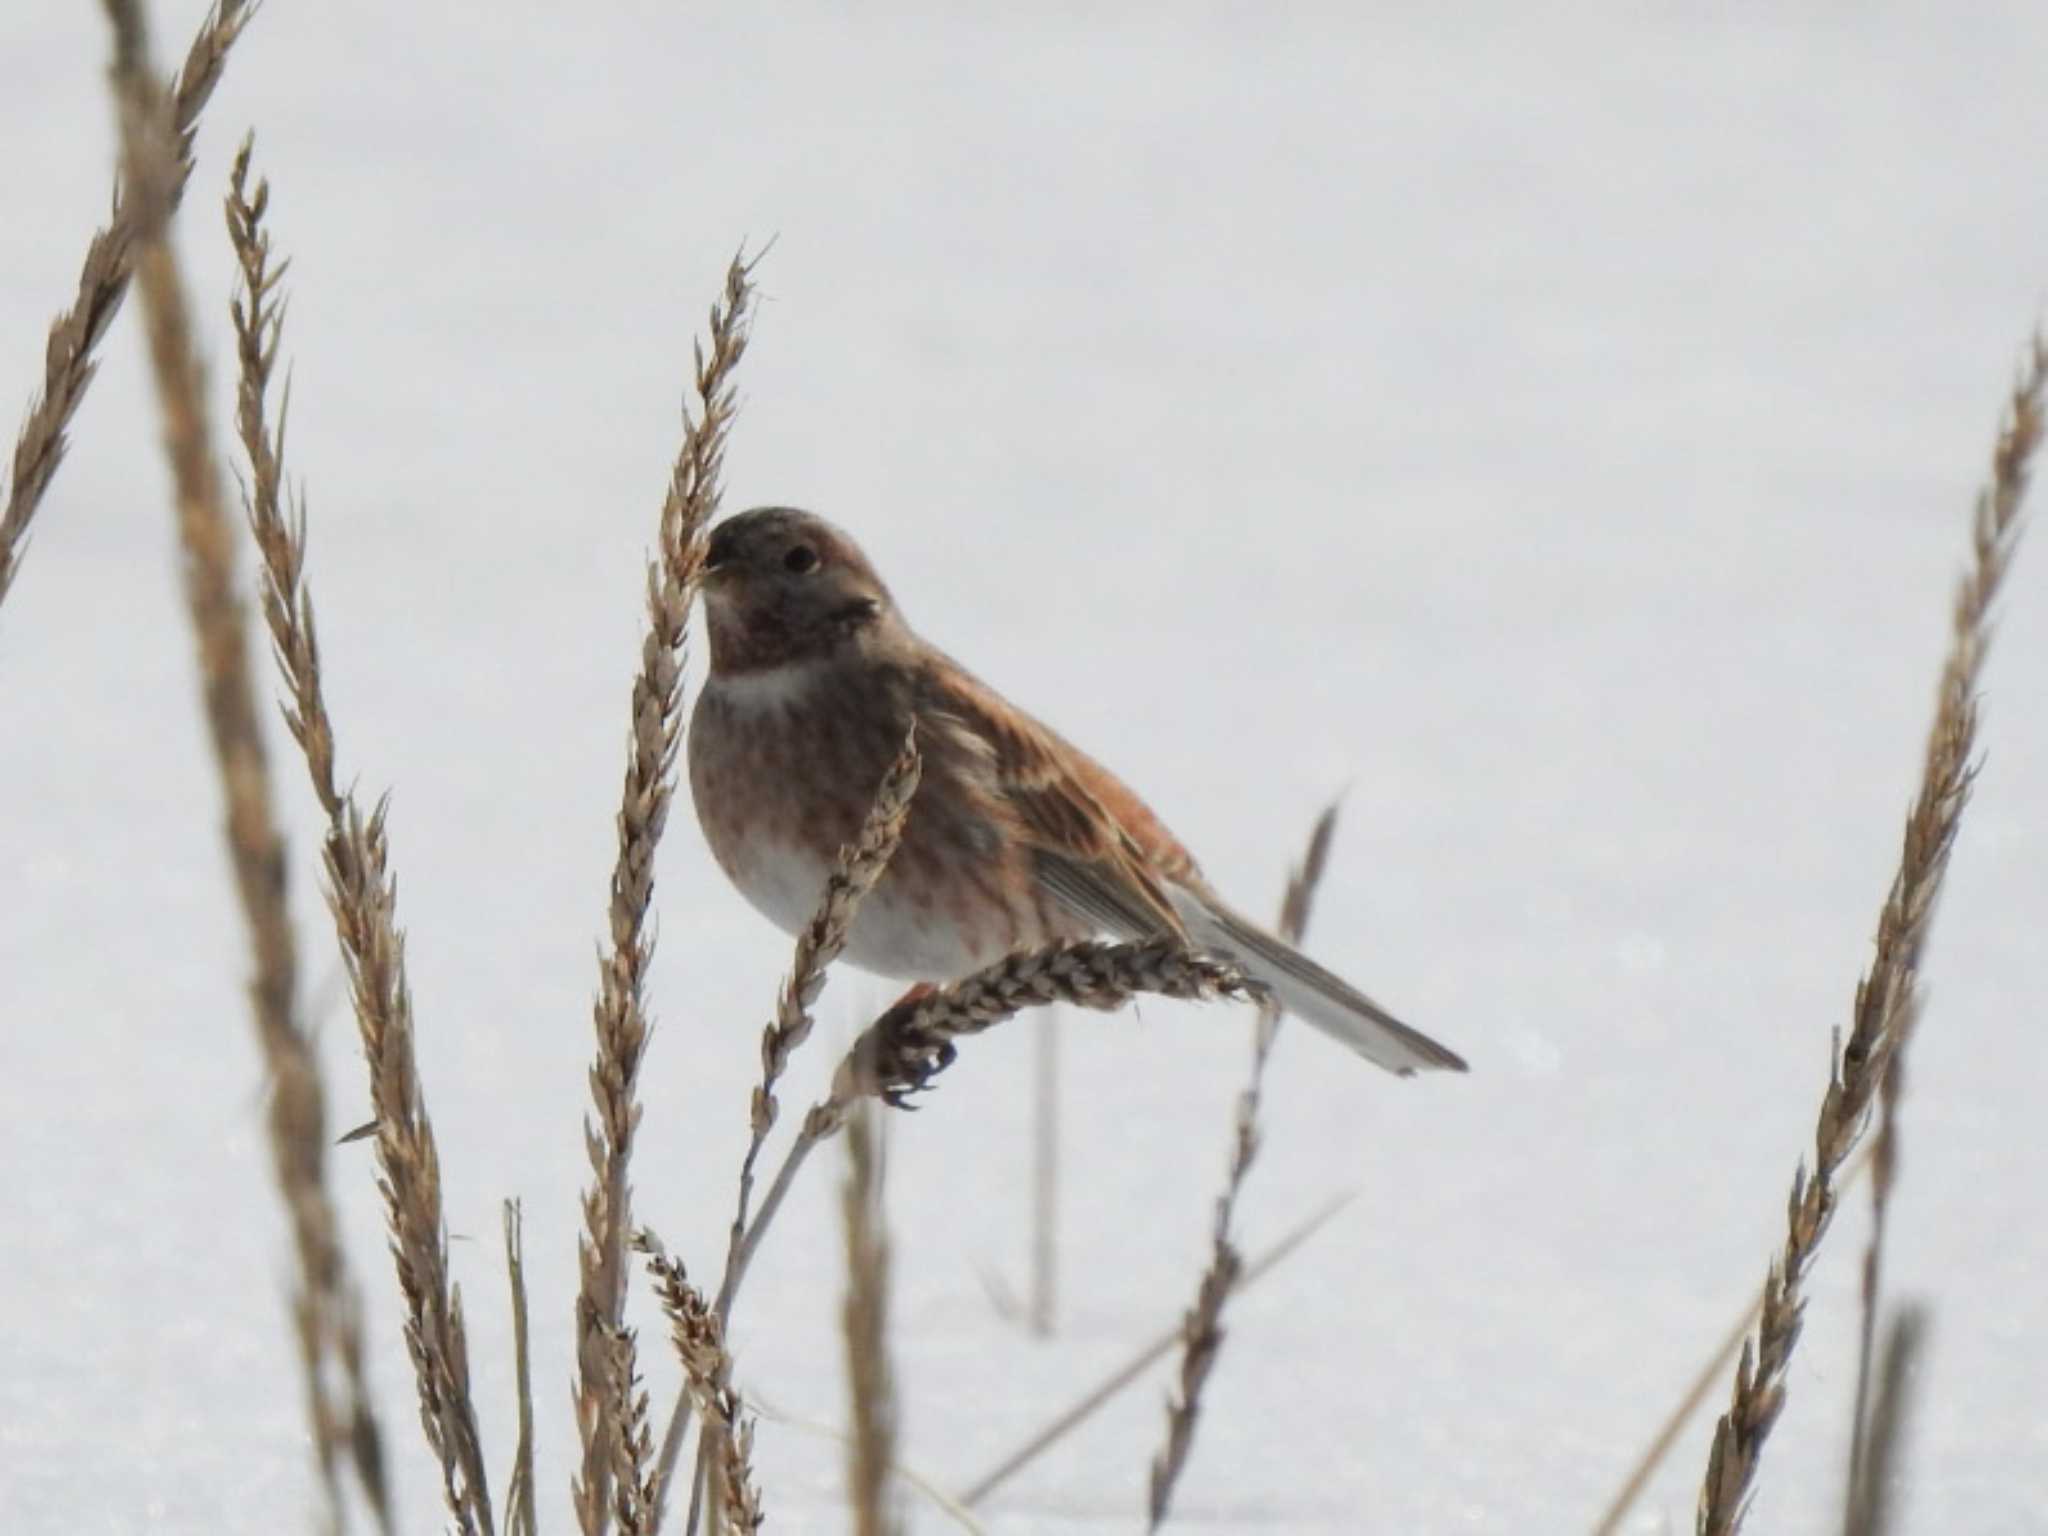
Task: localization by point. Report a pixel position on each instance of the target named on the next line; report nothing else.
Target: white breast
(771, 688)
(780, 881)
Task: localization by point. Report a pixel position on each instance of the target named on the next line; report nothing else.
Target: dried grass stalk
(699, 1339)
(328, 1306)
(362, 896)
(1201, 1338)
(327, 1313)
(68, 364)
(864, 1324)
(1885, 998)
(1202, 1328)
(620, 1012)
(521, 1518)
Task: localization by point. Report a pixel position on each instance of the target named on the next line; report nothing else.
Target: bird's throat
(755, 638)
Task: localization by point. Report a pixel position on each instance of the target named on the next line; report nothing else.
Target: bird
(1015, 838)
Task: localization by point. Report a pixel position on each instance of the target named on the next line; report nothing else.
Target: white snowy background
(1557, 428)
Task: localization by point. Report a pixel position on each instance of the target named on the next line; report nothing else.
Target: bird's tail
(1309, 992)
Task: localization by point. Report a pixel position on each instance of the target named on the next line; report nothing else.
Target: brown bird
(1015, 838)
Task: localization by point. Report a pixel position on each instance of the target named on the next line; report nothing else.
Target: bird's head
(783, 586)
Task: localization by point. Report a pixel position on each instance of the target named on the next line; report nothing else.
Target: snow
(1554, 431)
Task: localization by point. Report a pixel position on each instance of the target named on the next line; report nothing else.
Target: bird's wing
(1100, 852)
(1095, 846)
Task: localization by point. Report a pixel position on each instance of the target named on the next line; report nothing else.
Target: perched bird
(1015, 838)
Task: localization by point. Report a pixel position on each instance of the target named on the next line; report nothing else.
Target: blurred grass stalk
(864, 1325)
(156, 160)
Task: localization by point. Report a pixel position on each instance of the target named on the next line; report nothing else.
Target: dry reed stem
(328, 1305)
(1202, 1329)
(521, 1518)
(1872, 1501)
(855, 871)
(619, 1015)
(362, 897)
(68, 363)
(699, 1338)
(327, 1314)
(864, 1324)
(1156, 1350)
(1885, 998)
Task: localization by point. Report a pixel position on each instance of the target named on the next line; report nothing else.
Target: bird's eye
(800, 560)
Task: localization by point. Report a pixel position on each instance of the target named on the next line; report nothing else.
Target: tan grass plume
(329, 1314)
(699, 1339)
(619, 1016)
(1886, 996)
(362, 898)
(68, 362)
